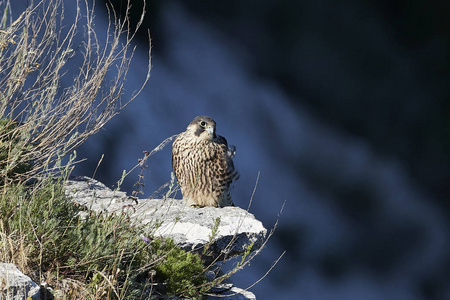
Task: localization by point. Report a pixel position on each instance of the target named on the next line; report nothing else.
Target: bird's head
(203, 127)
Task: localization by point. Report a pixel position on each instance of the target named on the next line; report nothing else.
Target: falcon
(202, 163)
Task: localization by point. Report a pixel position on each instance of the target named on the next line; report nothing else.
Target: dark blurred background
(343, 107)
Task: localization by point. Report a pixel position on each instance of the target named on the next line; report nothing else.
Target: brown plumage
(203, 165)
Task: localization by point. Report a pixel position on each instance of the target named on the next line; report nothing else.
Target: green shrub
(181, 271)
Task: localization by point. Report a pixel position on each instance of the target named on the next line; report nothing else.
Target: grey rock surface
(15, 285)
(234, 293)
(191, 228)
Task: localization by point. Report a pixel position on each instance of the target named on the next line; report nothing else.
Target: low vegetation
(104, 256)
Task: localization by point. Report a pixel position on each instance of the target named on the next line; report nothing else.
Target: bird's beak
(210, 129)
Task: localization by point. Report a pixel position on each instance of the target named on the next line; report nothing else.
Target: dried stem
(34, 50)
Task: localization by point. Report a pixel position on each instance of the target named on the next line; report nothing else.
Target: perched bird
(203, 165)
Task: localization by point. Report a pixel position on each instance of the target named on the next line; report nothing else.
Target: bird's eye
(203, 123)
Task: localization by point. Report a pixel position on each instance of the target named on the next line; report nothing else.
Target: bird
(202, 163)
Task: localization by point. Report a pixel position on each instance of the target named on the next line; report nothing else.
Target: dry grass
(34, 53)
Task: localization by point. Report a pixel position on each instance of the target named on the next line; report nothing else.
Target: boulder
(191, 228)
(15, 285)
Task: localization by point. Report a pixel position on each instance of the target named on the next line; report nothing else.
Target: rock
(226, 290)
(15, 285)
(190, 228)
(234, 293)
(95, 195)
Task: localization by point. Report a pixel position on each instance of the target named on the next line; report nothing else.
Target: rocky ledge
(191, 228)
(227, 231)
